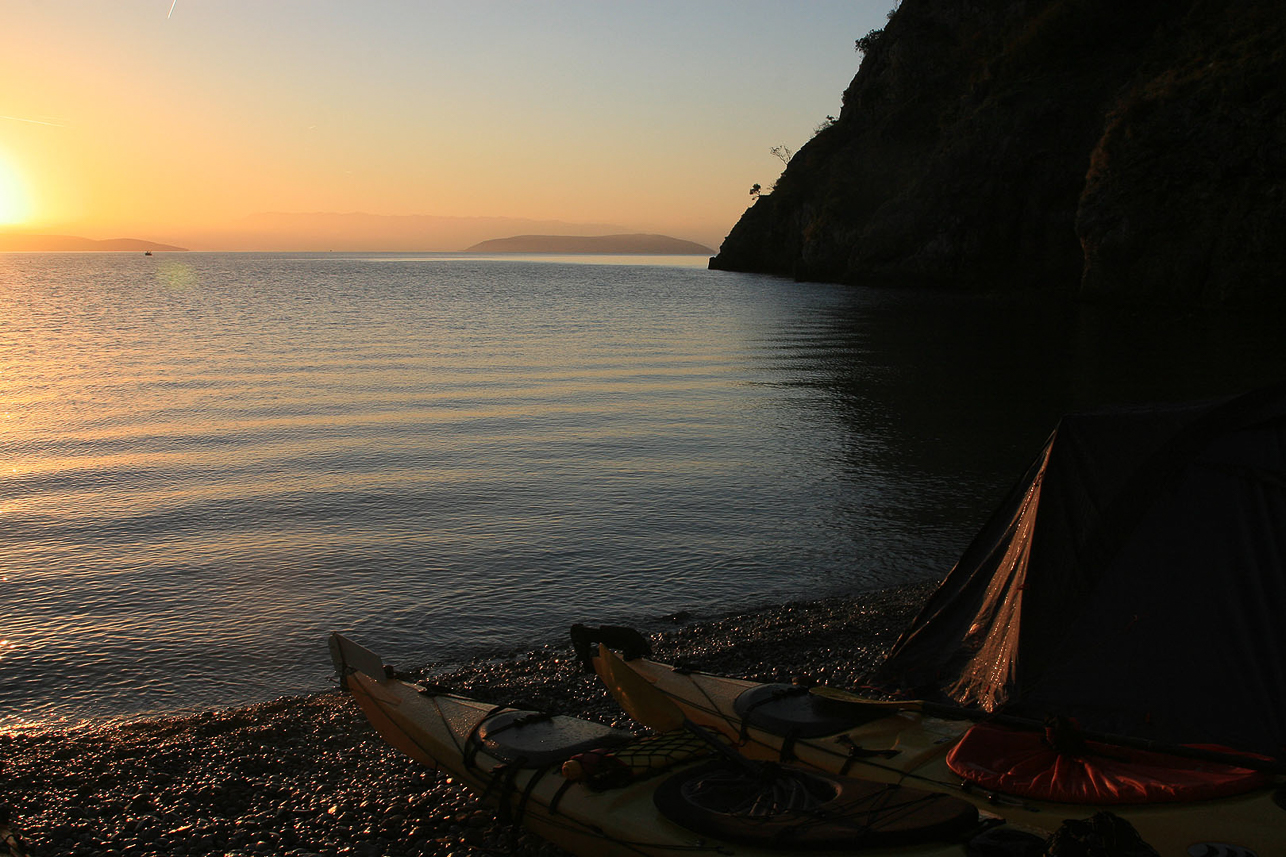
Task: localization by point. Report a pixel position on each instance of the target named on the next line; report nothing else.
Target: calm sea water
(210, 461)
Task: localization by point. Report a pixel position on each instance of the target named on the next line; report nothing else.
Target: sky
(176, 120)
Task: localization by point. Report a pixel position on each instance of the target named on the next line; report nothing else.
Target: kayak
(10, 844)
(901, 743)
(595, 790)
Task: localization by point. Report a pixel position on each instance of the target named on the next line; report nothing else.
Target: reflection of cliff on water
(947, 398)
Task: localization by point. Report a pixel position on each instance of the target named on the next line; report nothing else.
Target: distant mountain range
(358, 231)
(636, 243)
(54, 243)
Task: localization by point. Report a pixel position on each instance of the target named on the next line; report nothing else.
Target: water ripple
(212, 460)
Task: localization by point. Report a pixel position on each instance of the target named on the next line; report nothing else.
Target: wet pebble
(308, 777)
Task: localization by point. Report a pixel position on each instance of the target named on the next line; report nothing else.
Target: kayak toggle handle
(631, 643)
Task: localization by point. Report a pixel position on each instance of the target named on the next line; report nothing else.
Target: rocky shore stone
(302, 776)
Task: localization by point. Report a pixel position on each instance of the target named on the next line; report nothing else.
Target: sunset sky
(174, 120)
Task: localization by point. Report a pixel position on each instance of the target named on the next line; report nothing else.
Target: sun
(13, 196)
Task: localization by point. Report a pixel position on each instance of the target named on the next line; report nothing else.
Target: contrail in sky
(34, 121)
(172, 5)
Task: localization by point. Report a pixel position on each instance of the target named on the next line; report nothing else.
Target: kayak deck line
(490, 750)
(910, 743)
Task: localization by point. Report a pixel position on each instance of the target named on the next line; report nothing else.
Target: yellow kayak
(594, 790)
(893, 742)
(10, 844)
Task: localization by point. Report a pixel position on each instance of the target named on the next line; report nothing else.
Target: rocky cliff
(1126, 151)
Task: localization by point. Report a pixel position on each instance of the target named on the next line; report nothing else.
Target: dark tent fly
(1134, 581)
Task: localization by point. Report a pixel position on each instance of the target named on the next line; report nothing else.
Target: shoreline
(307, 775)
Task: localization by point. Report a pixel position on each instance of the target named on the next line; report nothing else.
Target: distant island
(357, 231)
(637, 243)
(58, 243)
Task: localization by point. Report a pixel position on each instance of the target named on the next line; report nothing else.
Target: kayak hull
(451, 734)
(903, 746)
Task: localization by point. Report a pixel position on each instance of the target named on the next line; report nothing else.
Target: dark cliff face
(1130, 151)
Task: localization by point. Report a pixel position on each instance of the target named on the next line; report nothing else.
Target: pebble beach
(306, 775)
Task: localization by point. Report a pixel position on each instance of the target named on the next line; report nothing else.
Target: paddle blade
(636, 695)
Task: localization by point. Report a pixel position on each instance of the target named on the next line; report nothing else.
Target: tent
(1134, 580)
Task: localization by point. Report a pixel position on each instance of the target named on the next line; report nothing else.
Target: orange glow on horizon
(188, 124)
(15, 207)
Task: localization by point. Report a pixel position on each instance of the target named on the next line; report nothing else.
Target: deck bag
(1027, 763)
(614, 767)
